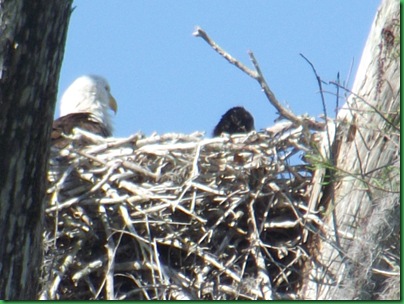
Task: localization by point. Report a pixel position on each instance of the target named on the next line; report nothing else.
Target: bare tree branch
(258, 76)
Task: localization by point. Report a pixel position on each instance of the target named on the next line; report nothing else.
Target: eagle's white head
(89, 94)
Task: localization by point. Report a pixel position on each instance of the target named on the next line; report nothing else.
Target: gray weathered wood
(366, 189)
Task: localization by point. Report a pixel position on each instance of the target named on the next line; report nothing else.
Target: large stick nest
(178, 216)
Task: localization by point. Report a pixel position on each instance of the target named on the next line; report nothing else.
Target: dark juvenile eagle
(235, 120)
(85, 105)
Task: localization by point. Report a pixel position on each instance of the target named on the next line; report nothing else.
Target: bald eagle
(85, 105)
(235, 120)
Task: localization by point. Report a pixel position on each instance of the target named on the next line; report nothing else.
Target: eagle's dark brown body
(66, 124)
(235, 120)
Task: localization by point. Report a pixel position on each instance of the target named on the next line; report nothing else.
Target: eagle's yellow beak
(112, 104)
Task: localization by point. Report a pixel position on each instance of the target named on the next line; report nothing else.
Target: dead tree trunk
(32, 39)
(357, 253)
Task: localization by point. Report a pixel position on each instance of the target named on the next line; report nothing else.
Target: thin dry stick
(258, 76)
(201, 33)
(331, 157)
(319, 82)
(262, 272)
(109, 246)
(67, 262)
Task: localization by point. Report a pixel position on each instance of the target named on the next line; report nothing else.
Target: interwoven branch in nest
(178, 217)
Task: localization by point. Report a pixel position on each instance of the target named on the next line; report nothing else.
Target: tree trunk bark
(360, 257)
(32, 39)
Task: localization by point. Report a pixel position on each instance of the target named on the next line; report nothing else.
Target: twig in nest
(64, 267)
(258, 76)
(255, 242)
(109, 246)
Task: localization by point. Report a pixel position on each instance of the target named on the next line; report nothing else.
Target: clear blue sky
(166, 80)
